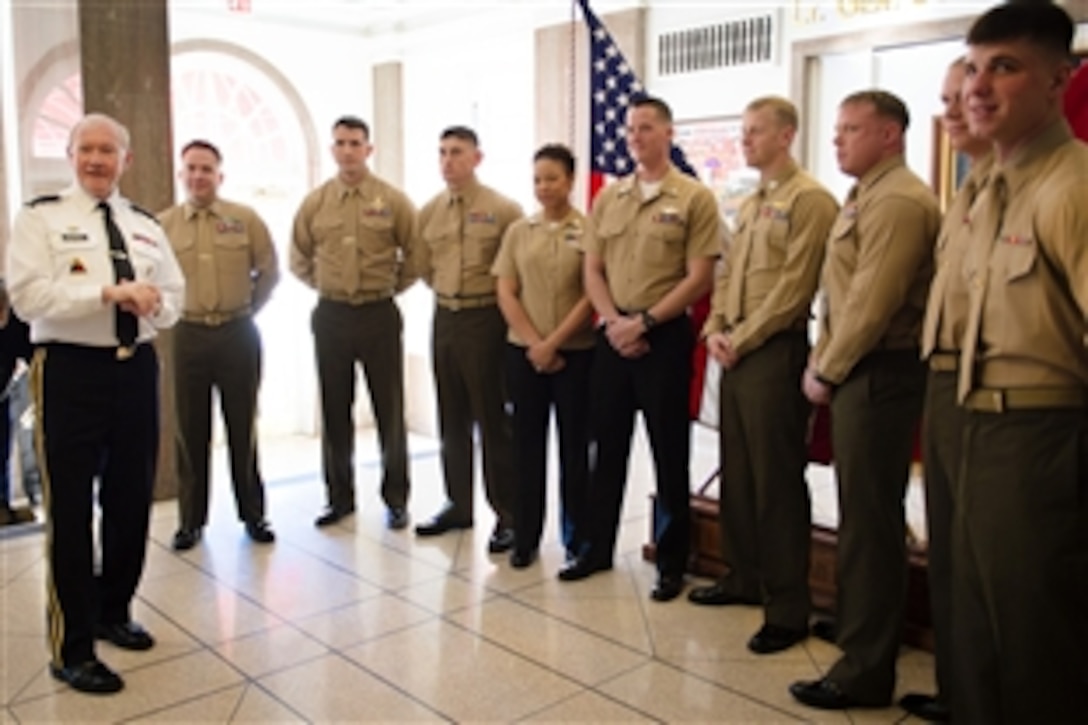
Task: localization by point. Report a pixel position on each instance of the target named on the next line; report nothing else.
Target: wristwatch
(648, 320)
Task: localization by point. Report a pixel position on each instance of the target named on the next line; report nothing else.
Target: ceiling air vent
(739, 42)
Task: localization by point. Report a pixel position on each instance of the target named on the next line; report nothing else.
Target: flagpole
(571, 71)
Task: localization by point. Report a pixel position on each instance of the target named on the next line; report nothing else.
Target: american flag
(613, 86)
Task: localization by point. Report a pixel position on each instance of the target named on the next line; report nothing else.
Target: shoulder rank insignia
(140, 210)
(47, 199)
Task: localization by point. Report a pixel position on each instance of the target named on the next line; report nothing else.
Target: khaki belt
(359, 298)
(455, 303)
(944, 362)
(998, 400)
(214, 319)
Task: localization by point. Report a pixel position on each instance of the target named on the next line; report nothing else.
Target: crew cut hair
(1042, 24)
(887, 105)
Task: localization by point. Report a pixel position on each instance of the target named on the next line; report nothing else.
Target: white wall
(834, 76)
(916, 74)
(718, 92)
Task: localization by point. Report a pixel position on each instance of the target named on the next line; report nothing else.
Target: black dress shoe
(581, 567)
(396, 518)
(824, 629)
(332, 516)
(129, 635)
(90, 676)
(502, 540)
(925, 707)
(522, 559)
(822, 693)
(771, 638)
(13, 516)
(668, 587)
(260, 532)
(440, 524)
(186, 539)
(716, 595)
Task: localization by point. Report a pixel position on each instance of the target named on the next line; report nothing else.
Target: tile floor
(360, 623)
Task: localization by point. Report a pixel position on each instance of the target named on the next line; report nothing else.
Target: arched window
(241, 104)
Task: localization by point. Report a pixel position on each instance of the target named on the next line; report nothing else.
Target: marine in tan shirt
(774, 263)
(458, 235)
(866, 365)
(226, 250)
(1029, 289)
(352, 242)
(943, 419)
(646, 239)
(230, 267)
(545, 258)
(878, 269)
(549, 352)
(650, 254)
(758, 332)
(1020, 549)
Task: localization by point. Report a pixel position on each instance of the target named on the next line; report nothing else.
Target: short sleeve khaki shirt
(645, 243)
(545, 259)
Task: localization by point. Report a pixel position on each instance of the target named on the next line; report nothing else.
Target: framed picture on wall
(949, 166)
(713, 148)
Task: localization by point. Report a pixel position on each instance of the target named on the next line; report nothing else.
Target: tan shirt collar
(875, 174)
(1017, 168)
(774, 184)
(215, 209)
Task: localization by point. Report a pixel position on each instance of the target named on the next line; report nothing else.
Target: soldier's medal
(669, 215)
(376, 208)
(480, 217)
(230, 225)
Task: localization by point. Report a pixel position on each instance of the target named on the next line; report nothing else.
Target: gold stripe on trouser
(54, 613)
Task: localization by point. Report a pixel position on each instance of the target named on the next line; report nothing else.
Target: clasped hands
(625, 335)
(139, 298)
(544, 357)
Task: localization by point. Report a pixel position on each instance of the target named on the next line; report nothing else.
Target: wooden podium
(706, 560)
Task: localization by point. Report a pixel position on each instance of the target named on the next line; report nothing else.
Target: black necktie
(122, 270)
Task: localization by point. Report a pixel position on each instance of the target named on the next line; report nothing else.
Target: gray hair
(124, 140)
